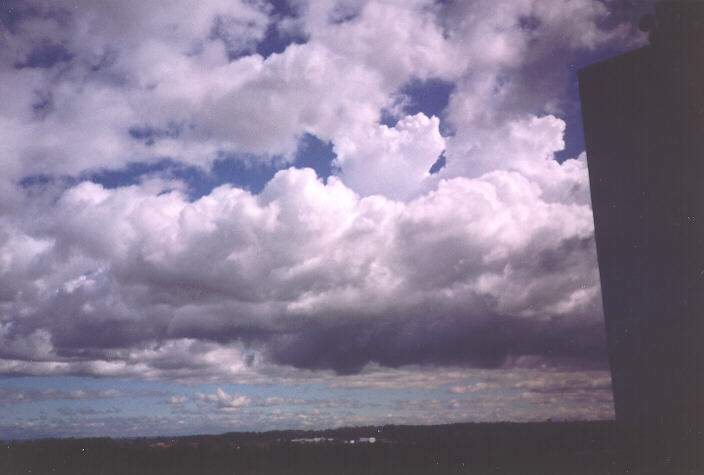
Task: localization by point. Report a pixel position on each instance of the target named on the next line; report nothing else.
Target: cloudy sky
(248, 214)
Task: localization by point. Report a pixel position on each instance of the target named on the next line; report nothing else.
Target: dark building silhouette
(643, 115)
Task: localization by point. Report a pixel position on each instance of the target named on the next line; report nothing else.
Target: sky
(229, 215)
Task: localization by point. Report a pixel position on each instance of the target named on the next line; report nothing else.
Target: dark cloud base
(490, 342)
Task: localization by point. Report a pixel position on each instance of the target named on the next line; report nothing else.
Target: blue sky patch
(429, 97)
(439, 164)
(276, 39)
(149, 134)
(249, 173)
(45, 55)
(316, 154)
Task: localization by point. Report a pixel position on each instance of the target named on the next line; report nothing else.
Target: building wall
(643, 116)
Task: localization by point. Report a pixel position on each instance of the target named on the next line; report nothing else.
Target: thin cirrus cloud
(488, 262)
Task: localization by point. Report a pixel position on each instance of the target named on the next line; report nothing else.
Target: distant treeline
(492, 448)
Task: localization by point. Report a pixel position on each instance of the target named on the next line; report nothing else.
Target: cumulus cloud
(313, 274)
(489, 263)
(225, 402)
(177, 400)
(170, 71)
(392, 162)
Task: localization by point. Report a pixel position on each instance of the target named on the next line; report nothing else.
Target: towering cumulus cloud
(126, 253)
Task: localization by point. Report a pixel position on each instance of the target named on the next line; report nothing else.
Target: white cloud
(382, 258)
(178, 400)
(225, 402)
(140, 65)
(397, 40)
(237, 267)
(392, 162)
(159, 67)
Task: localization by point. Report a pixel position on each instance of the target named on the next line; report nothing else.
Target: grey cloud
(486, 342)
(548, 383)
(15, 396)
(85, 411)
(432, 282)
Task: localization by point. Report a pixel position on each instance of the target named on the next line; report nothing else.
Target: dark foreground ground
(542, 448)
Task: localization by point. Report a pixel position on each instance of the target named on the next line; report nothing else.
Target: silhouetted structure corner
(643, 117)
